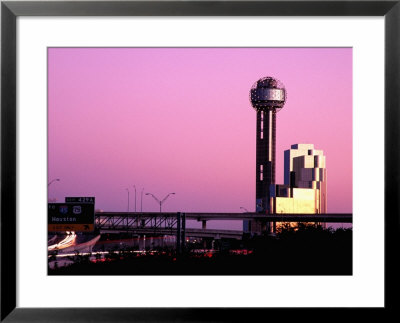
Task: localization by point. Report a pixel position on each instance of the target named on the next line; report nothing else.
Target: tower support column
(265, 158)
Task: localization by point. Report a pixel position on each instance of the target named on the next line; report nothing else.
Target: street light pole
(141, 200)
(128, 198)
(48, 185)
(135, 196)
(162, 201)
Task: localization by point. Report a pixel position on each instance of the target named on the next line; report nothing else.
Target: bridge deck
(167, 223)
(194, 233)
(330, 217)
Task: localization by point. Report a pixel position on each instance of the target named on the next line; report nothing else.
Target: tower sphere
(268, 93)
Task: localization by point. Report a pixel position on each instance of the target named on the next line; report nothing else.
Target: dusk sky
(179, 120)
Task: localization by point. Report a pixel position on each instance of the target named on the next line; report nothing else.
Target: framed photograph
(130, 135)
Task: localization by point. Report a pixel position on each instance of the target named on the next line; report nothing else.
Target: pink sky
(179, 120)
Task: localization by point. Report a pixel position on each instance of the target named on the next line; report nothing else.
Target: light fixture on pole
(54, 180)
(162, 201)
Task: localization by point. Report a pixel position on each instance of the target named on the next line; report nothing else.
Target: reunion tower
(267, 96)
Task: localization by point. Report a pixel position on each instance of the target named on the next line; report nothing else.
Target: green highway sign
(70, 217)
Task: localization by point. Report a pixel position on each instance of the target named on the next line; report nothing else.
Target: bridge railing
(127, 221)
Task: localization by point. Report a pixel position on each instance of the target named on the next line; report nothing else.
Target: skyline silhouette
(179, 120)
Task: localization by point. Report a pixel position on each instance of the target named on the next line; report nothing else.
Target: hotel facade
(305, 182)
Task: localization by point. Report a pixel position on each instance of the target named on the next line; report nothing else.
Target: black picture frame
(10, 10)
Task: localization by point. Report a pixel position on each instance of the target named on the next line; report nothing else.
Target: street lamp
(128, 198)
(135, 196)
(54, 180)
(162, 201)
(141, 200)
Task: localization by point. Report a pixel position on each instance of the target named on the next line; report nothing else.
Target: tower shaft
(265, 157)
